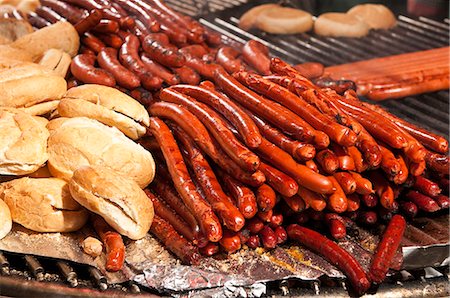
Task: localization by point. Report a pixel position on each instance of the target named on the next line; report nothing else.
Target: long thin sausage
(257, 55)
(82, 68)
(206, 218)
(244, 196)
(228, 58)
(279, 181)
(107, 59)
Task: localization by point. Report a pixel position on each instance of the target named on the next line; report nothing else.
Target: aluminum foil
(244, 273)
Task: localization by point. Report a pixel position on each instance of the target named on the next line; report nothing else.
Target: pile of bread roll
(357, 22)
(66, 153)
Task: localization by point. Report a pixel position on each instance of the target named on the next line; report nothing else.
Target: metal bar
(68, 273)
(423, 32)
(99, 278)
(425, 26)
(434, 23)
(222, 31)
(4, 264)
(35, 266)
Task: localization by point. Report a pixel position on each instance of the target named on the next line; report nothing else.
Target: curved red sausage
(257, 56)
(107, 59)
(82, 68)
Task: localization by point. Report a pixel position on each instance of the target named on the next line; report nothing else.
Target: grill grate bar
(424, 34)
(424, 26)
(434, 23)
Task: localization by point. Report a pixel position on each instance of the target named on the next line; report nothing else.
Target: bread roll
(8, 52)
(61, 35)
(5, 220)
(284, 20)
(29, 84)
(43, 205)
(340, 25)
(56, 61)
(377, 16)
(76, 142)
(248, 19)
(107, 105)
(23, 143)
(13, 29)
(115, 197)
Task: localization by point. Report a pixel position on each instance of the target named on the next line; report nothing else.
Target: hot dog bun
(248, 19)
(377, 16)
(76, 142)
(107, 105)
(28, 84)
(340, 25)
(284, 20)
(116, 198)
(61, 35)
(43, 205)
(23, 142)
(5, 219)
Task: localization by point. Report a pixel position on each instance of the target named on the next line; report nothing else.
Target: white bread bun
(248, 19)
(107, 105)
(77, 142)
(61, 35)
(56, 61)
(340, 25)
(29, 84)
(5, 219)
(284, 20)
(13, 29)
(8, 52)
(42, 108)
(43, 205)
(116, 198)
(23, 143)
(41, 173)
(377, 16)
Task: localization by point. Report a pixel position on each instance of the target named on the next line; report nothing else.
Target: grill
(36, 276)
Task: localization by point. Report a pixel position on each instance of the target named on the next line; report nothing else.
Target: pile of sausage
(255, 151)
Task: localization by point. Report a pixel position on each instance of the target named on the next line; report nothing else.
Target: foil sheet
(244, 273)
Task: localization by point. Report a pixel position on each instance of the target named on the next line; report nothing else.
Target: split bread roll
(29, 84)
(56, 61)
(340, 25)
(23, 142)
(115, 197)
(107, 105)
(5, 220)
(9, 53)
(61, 35)
(43, 204)
(284, 20)
(248, 19)
(377, 16)
(77, 142)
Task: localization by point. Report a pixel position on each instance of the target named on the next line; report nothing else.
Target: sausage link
(230, 110)
(322, 122)
(82, 68)
(129, 57)
(107, 59)
(438, 163)
(386, 249)
(106, 26)
(278, 115)
(310, 164)
(159, 70)
(187, 75)
(195, 61)
(444, 183)
(219, 201)
(417, 169)
(175, 243)
(426, 186)
(382, 188)
(367, 218)
(148, 20)
(111, 40)
(92, 42)
(253, 241)
(36, 21)
(409, 209)
(166, 213)
(298, 150)
(216, 126)
(279, 181)
(265, 216)
(336, 225)
(268, 237)
(257, 56)
(424, 202)
(197, 131)
(346, 181)
(346, 162)
(164, 54)
(88, 22)
(227, 57)
(357, 157)
(337, 201)
(310, 70)
(69, 12)
(353, 202)
(280, 235)
(115, 249)
(369, 200)
(230, 241)
(327, 160)
(265, 198)
(402, 175)
(49, 14)
(389, 163)
(333, 254)
(363, 185)
(206, 218)
(210, 249)
(442, 201)
(312, 199)
(295, 203)
(369, 149)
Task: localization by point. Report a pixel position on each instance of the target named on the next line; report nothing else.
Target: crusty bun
(340, 25)
(42, 108)
(22, 5)
(107, 105)
(284, 20)
(5, 219)
(56, 61)
(8, 53)
(28, 84)
(23, 143)
(61, 35)
(76, 142)
(13, 29)
(43, 205)
(116, 198)
(377, 16)
(248, 19)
